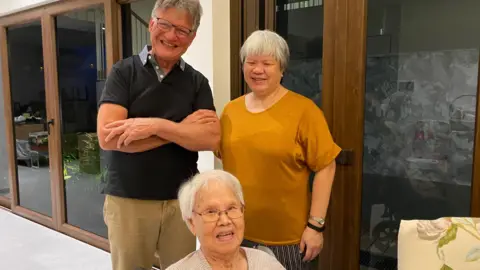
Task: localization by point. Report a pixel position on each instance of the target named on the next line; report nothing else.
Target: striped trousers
(288, 255)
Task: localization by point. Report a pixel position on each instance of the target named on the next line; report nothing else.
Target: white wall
(11, 6)
(200, 56)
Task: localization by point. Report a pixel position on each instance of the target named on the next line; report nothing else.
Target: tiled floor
(27, 245)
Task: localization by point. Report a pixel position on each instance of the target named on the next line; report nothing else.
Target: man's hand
(130, 130)
(201, 117)
(312, 241)
(134, 129)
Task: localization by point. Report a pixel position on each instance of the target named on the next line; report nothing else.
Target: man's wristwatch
(319, 220)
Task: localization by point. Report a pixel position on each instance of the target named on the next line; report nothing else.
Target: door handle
(48, 124)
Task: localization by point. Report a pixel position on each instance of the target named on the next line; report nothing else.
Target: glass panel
(27, 83)
(421, 85)
(135, 26)
(301, 24)
(81, 76)
(4, 181)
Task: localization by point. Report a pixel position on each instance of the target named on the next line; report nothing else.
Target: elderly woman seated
(212, 205)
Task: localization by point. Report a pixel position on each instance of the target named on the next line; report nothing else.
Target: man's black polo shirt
(136, 84)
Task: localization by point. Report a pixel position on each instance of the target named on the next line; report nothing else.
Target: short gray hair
(266, 42)
(193, 7)
(188, 191)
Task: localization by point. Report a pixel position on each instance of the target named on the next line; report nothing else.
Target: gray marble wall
(420, 115)
(304, 76)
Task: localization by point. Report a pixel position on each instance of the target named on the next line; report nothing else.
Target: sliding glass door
(420, 113)
(31, 122)
(55, 60)
(81, 61)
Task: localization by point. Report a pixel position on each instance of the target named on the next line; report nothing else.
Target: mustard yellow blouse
(272, 153)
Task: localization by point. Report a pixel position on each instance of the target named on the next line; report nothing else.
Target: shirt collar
(145, 53)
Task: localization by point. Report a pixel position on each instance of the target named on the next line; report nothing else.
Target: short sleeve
(315, 138)
(225, 128)
(204, 98)
(116, 89)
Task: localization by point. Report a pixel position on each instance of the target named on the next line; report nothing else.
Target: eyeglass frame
(170, 25)
(219, 213)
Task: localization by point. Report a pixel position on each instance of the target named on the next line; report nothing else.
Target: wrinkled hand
(201, 117)
(130, 130)
(313, 242)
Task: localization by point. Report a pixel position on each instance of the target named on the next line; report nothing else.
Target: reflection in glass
(25, 60)
(420, 103)
(301, 24)
(4, 181)
(81, 75)
(135, 26)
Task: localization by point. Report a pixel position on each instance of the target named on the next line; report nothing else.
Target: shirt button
(161, 76)
(149, 57)
(156, 67)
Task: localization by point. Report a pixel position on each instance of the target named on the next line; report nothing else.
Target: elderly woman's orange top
(272, 153)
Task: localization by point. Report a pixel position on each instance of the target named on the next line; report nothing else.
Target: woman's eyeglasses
(213, 215)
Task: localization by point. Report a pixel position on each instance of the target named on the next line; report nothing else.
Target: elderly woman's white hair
(193, 7)
(188, 191)
(266, 42)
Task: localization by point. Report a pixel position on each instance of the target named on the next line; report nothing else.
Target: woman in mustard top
(272, 139)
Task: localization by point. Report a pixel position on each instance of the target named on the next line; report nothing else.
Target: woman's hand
(312, 241)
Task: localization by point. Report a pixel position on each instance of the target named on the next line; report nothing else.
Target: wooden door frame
(236, 39)
(344, 51)
(5, 202)
(46, 15)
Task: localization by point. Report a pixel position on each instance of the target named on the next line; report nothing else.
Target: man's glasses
(213, 215)
(180, 31)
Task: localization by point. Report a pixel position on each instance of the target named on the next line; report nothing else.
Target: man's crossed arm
(200, 131)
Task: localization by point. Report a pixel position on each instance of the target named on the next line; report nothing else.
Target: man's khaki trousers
(140, 229)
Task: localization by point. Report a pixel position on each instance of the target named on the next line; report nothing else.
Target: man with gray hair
(156, 112)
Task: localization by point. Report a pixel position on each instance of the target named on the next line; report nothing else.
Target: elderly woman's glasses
(180, 31)
(213, 215)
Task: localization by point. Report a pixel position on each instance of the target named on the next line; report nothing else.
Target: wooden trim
(328, 59)
(354, 98)
(475, 189)
(52, 9)
(53, 112)
(58, 8)
(34, 216)
(345, 77)
(22, 17)
(7, 100)
(120, 33)
(270, 14)
(111, 33)
(235, 44)
(5, 202)
(250, 17)
(328, 66)
(250, 23)
(85, 236)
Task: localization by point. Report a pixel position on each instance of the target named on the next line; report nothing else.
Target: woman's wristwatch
(318, 220)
